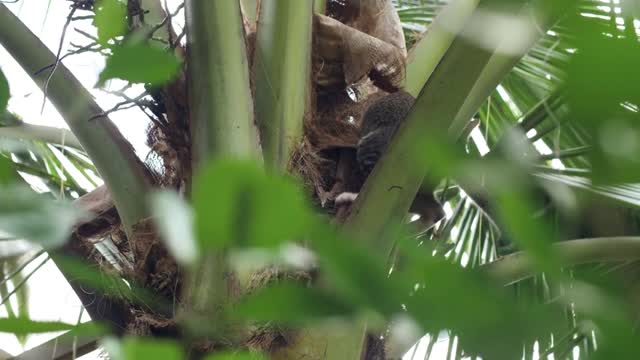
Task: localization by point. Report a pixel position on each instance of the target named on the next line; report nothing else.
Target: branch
(519, 266)
(113, 156)
(48, 134)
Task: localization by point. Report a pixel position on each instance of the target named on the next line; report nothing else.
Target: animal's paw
(345, 198)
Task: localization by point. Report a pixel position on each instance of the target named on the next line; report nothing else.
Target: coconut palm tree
(229, 238)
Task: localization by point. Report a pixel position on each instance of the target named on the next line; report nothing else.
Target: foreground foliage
(562, 130)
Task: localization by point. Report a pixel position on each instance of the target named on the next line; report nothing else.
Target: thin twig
(55, 67)
(127, 104)
(86, 34)
(79, 50)
(179, 38)
(83, 17)
(165, 20)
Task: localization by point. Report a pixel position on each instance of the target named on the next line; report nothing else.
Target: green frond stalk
(456, 75)
(563, 154)
(282, 76)
(540, 16)
(319, 6)
(324, 341)
(425, 55)
(518, 266)
(222, 124)
(221, 104)
(48, 134)
(112, 155)
(540, 112)
(388, 192)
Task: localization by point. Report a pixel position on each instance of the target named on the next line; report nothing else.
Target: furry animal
(380, 122)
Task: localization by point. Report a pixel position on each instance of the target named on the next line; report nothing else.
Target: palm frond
(530, 97)
(65, 172)
(13, 277)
